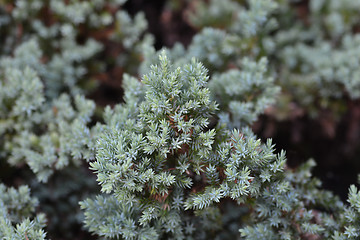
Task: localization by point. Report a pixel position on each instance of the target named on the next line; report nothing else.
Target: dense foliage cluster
(177, 158)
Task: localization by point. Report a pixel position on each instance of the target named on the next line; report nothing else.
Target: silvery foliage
(313, 58)
(240, 81)
(304, 194)
(46, 135)
(162, 163)
(351, 217)
(317, 62)
(163, 170)
(289, 209)
(244, 94)
(53, 29)
(44, 117)
(17, 218)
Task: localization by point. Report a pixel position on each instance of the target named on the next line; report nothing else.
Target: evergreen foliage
(166, 169)
(244, 94)
(317, 61)
(177, 159)
(16, 209)
(44, 117)
(51, 30)
(45, 135)
(49, 55)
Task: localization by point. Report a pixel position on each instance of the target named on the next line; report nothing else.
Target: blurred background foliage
(77, 52)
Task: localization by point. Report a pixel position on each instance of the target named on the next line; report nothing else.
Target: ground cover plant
(179, 119)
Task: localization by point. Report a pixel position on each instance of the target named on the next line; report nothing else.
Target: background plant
(180, 143)
(51, 54)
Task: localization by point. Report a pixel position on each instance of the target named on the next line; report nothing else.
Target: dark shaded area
(60, 198)
(107, 95)
(333, 145)
(168, 25)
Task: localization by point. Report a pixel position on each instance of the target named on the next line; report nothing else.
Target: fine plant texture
(17, 218)
(167, 163)
(166, 171)
(107, 134)
(49, 58)
(317, 61)
(46, 136)
(244, 94)
(44, 115)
